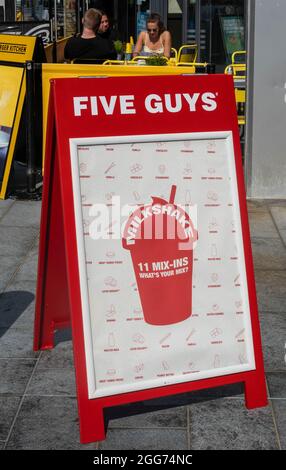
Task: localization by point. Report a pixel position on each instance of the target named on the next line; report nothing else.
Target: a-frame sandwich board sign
(15, 51)
(145, 245)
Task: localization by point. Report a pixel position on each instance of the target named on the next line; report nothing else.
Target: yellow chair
(188, 53)
(237, 70)
(195, 67)
(174, 54)
(60, 48)
(113, 62)
(49, 52)
(238, 57)
(240, 98)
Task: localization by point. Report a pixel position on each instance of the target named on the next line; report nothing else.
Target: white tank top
(147, 50)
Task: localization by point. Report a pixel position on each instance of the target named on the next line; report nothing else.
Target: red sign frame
(58, 302)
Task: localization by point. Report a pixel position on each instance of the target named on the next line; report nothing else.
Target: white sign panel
(160, 252)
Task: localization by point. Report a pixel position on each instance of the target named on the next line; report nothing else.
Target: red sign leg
(91, 419)
(255, 390)
(52, 302)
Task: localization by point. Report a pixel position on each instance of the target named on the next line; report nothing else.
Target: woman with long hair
(156, 40)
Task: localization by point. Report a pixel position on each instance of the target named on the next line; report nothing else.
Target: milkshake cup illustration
(160, 238)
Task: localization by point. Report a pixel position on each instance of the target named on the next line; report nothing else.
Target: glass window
(62, 11)
(131, 17)
(32, 10)
(141, 15)
(222, 30)
(191, 22)
(175, 22)
(182, 21)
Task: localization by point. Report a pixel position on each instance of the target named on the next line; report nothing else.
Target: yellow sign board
(16, 48)
(13, 49)
(12, 93)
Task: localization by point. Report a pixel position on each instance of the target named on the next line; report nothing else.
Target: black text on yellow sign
(16, 48)
(12, 94)
(13, 48)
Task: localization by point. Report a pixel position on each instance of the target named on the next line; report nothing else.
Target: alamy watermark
(159, 220)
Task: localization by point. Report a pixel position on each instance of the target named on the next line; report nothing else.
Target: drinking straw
(173, 194)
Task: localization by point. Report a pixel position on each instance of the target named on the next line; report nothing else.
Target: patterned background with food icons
(130, 354)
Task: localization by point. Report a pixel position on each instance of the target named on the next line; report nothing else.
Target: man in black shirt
(90, 45)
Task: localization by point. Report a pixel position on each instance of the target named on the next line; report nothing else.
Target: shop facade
(216, 26)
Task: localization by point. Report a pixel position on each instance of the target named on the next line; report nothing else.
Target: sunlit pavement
(37, 390)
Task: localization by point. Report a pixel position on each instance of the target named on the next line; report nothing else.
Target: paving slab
(47, 423)
(25, 320)
(23, 214)
(279, 216)
(283, 235)
(271, 290)
(17, 343)
(15, 374)
(22, 286)
(17, 306)
(29, 269)
(9, 264)
(268, 253)
(277, 385)
(5, 206)
(48, 417)
(56, 382)
(262, 225)
(279, 407)
(15, 242)
(254, 205)
(273, 330)
(9, 407)
(145, 439)
(226, 424)
(59, 357)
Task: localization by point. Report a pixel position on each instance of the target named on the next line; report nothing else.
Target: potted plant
(156, 60)
(118, 46)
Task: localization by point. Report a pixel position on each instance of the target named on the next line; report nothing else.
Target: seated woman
(106, 31)
(156, 40)
(89, 45)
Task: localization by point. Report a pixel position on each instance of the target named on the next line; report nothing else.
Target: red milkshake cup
(160, 238)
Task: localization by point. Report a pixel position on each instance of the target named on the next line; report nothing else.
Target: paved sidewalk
(37, 390)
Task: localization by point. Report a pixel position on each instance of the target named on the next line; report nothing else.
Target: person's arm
(167, 43)
(139, 44)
